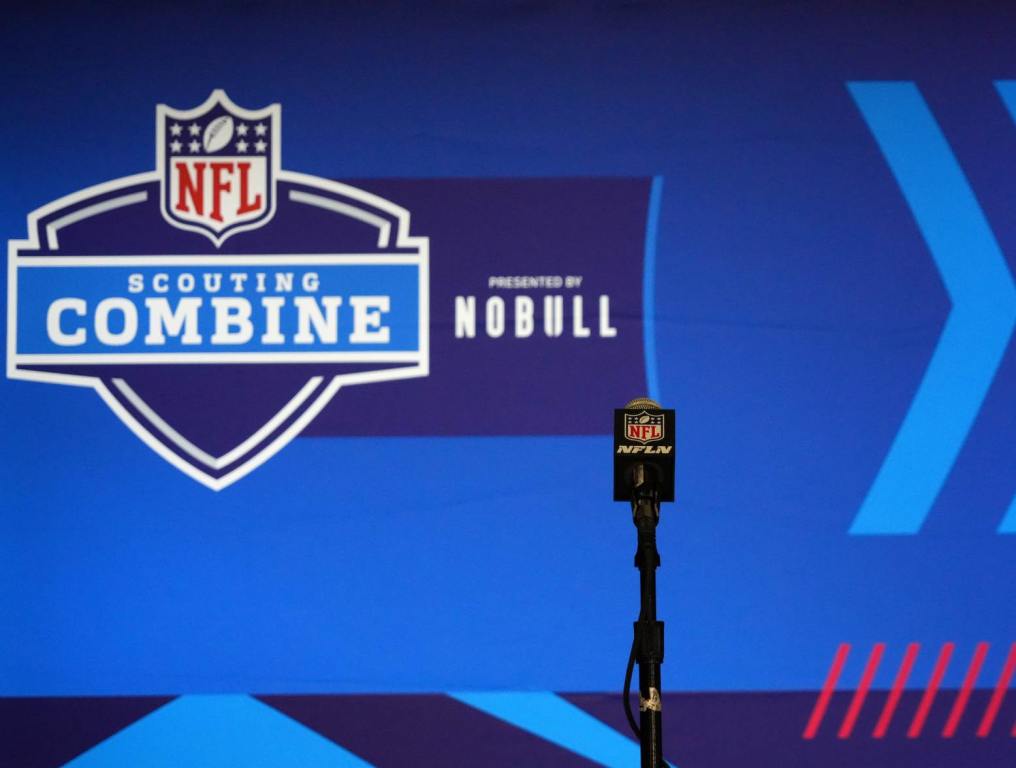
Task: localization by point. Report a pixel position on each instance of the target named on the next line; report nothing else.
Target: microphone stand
(645, 505)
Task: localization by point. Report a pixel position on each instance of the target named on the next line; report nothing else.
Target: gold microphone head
(643, 402)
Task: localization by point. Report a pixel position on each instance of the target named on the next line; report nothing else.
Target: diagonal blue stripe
(560, 722)
(1007, 90)
(1008, 524)
(217, 732)
(649, 288)
(978, 327)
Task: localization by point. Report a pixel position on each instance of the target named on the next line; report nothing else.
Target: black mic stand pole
(644, 448)
(645, 507)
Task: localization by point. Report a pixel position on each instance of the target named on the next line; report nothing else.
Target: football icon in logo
(218, 133)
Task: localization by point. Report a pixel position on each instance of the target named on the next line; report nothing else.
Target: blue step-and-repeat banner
(316, 316)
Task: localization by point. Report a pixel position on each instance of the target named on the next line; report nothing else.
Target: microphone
(644, 448)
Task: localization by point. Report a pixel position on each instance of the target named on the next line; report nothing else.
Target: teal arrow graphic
(560, 722)
(1007, 90)
(980, 322)
(1009, 521)
(217, 732)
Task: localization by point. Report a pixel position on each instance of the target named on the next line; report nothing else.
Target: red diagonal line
(847, 727)
(822, 703)
(988, 721)
(897, 690)
(929, 693)
(964, 695)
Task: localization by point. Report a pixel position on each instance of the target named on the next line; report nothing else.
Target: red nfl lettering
(191, 186)
(219, 185)
(246, 204)
(644, 432)
(191, 178)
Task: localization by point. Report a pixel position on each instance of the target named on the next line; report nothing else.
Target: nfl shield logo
(643, 427)
(219, 164)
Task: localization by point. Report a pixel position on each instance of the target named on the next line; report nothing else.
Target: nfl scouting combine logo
(218, 303)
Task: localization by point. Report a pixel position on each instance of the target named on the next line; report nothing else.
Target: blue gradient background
(796, 309)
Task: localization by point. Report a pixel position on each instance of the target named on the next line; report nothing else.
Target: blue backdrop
(828, 303)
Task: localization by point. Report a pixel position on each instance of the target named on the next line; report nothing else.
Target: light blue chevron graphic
(560, 722)
(980, 322)
(1007, 90)
(217, 732)
(649, 289)
(1008, 524)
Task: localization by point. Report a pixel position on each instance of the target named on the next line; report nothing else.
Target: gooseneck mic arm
(644, 476)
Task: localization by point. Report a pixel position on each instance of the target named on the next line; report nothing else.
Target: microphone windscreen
(643, 402)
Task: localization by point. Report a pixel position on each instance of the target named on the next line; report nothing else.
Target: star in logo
(194, 146)
(175, 146)
(260, 145)
(260, 129)
(194, 129)
(175, 129)
(241, 129)
(241, 146)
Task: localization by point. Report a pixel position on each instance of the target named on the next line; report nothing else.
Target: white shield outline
(272, 112)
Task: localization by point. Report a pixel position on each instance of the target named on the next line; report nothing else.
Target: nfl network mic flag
(644, 434)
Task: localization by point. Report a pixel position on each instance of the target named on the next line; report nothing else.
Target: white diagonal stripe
(206, 458)
(91, 210)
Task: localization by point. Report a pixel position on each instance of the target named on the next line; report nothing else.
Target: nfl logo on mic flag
(644, 436)
(644, 427)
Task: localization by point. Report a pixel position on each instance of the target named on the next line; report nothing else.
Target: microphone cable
(627, 691)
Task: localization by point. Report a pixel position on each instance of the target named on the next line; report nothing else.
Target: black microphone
(644, 447)
(644, 459)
